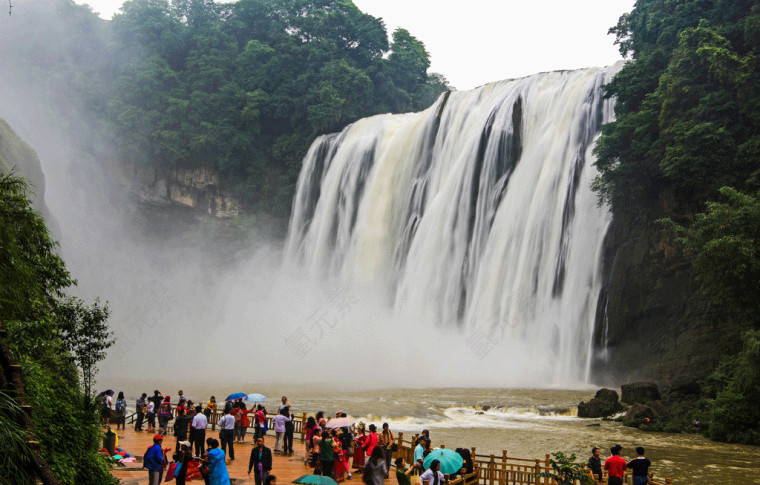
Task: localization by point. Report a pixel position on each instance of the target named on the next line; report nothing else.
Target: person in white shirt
(107, 409)
(198, 431)
(150, 412)
(433, 476)
(227, 432)
(279, 428)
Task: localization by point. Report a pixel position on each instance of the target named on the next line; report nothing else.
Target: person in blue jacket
(154, 461)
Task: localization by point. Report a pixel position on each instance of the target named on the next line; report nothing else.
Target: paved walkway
(286, 468)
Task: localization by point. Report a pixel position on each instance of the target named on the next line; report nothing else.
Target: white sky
(474, 42)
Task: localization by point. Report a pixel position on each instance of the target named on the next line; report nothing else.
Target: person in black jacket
(261, 460)
(181, 424)
(595, 464)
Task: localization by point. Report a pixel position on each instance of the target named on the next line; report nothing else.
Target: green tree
(85, 335)
(567, 471)
(732, 393)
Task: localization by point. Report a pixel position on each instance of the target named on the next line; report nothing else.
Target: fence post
(492, 468)
(538, 470)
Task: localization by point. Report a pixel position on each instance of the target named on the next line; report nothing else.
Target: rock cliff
(16, 155)
(195, 188)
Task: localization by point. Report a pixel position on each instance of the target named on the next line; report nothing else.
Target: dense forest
(241, 88)
(680, 167)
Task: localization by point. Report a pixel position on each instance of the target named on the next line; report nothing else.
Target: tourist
(615, 466)
(235, 412)
(182, 399)
(340, 467)
(121, 411)
(154, 461)
(227, 406)
(244, 421)
(426, 435)
(198, 431)
(311, 425)
(183, 457)
(210, 408)
(164, 414)
(327, 455)
(372, 440)
(315, 455)
(640, 466)
(261, 461)
(106, 408)
(284, 403)
(150, 413)
(433, 475)
(320, 417)
(140, 406)
(361, 438)
(217, 468)
(347, 444)
(227, 433)
(259, 420)
(403, 472)
(374, 469)
(387, 441)
(289, 431)
(467, 463)
(157, 399)
(595, 464)
(181, 423)
(419, 450)
(278, 422)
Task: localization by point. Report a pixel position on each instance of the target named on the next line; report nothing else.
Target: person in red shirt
(615, 466)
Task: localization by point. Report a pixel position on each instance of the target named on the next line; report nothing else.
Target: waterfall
(475, 216)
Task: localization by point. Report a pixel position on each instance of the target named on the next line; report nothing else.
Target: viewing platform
(489, 469)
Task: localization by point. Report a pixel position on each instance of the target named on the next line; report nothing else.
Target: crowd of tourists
(616, 466)
(334, 447)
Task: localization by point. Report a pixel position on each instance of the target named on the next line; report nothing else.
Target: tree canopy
(242, 87)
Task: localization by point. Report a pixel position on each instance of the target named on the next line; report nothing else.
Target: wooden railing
(506, 470)
(298, 421)
(488, 469)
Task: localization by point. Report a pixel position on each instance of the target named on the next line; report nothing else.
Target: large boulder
(639, 414)
(640, 393)
(605, 403)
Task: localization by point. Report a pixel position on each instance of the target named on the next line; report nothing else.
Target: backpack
(119, 406)
(104, 401)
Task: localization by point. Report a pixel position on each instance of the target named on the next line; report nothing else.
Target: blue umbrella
(451, 461)
(315, 480)
(256, 397)
(236, 395)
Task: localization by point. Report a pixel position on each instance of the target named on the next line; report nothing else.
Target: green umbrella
(451, 461)
(315, 480)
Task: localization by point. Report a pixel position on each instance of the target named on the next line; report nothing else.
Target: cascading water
(475, 216)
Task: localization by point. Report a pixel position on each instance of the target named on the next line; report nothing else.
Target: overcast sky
(478, 41)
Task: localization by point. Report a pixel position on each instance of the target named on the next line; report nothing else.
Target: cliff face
(196, 188)
(16, 155)
(655, 325)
